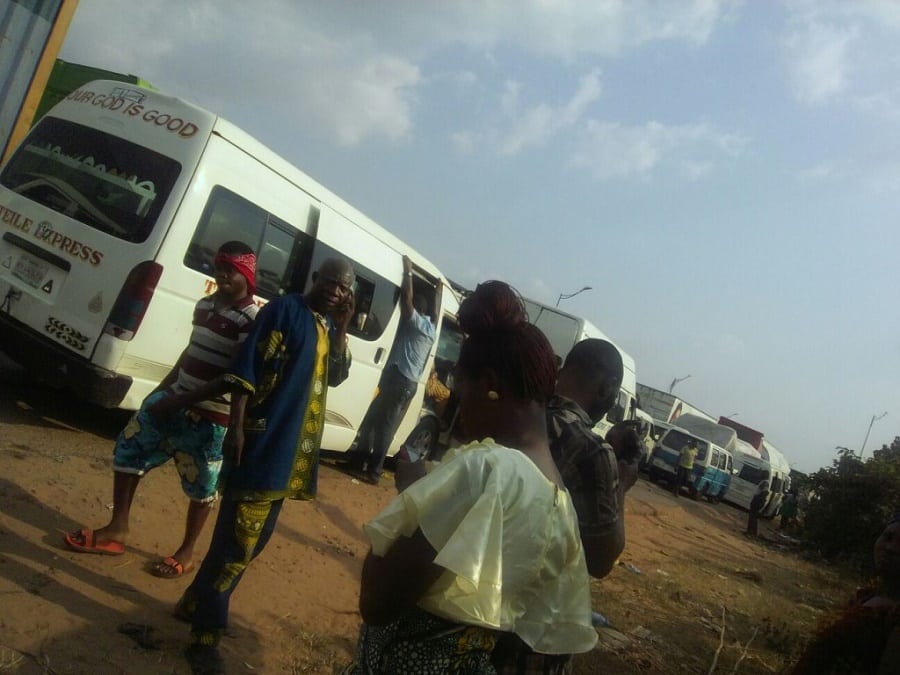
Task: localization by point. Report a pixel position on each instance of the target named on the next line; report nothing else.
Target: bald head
(591, 376)
(336, 267)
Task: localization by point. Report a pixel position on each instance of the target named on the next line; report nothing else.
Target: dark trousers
(682, 477)
(753, 522)
(242, 531)
(382, 419)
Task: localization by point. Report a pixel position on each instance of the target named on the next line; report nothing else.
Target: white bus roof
(283, 167)
(747, 449)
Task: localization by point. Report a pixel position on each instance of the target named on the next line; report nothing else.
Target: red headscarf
(244, 263)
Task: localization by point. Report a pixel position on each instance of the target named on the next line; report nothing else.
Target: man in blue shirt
(399, 380)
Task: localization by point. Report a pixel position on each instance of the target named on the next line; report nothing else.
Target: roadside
(295, 612)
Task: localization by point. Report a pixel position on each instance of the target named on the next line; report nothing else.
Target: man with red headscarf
(185, 417)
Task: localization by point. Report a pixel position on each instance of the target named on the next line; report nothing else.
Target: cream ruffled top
(508, 541)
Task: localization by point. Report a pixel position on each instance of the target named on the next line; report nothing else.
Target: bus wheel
(424, 438)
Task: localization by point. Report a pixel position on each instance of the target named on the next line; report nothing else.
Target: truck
(745, 433)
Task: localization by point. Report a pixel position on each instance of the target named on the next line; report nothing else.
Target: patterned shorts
(193, 441)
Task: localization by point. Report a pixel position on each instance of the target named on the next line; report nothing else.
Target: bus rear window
(103, 181)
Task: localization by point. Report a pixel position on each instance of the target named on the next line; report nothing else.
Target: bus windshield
(103, 181)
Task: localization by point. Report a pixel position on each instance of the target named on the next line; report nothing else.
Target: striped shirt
(215, 339)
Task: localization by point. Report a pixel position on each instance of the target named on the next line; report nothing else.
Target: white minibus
(751, 470)
(111, 210)
(564, 330)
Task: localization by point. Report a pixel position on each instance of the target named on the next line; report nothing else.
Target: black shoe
(371, 478)
(204, 660)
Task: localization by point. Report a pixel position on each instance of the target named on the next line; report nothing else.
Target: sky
(724, 175)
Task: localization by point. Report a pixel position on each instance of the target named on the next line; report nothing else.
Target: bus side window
(230, 217)
(226, 217)
(278, 257)
(702, 449)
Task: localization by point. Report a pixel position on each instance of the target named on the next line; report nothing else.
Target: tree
(852, 500)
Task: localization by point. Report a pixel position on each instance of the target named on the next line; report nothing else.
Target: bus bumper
(46, 360)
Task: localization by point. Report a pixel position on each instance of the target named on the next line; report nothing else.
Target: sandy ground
(690, 589)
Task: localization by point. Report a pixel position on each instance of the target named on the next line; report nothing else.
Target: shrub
(850, 503)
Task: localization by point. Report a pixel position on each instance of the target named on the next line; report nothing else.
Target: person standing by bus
(185, 417)
(399, 380)
(297, 349)
(757, 504)
(685, 466)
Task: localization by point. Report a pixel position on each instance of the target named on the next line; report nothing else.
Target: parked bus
(111, 210)
(563, 331)
(713, 465)
(750, 470)
(781, 479)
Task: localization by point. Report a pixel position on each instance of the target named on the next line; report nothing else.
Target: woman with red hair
(487, 544)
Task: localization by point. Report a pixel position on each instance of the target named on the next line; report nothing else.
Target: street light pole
(566, 296)
(874, 419)
(676, 381)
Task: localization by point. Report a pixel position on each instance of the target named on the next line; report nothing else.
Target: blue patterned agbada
(286, 365)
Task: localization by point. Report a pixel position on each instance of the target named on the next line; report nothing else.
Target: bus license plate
(31, 271)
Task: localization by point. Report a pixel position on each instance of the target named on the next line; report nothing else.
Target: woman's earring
(493, 395)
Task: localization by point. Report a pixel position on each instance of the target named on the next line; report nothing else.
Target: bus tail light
(133, 300)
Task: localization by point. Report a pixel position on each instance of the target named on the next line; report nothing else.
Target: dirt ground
(691, 593)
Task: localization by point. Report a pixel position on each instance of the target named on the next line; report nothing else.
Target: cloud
(536, 125)
(824, 171)
(614, 150)
(376, 98)
(237, 58)
(566, 29)
(463, 142)
(878, 175)
(819, 60)
(354, 72)
(521, 127)
(695, 170)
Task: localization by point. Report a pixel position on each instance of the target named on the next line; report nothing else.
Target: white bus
(111, 211)
(781, 479)
(563, 331)
(751, 469)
